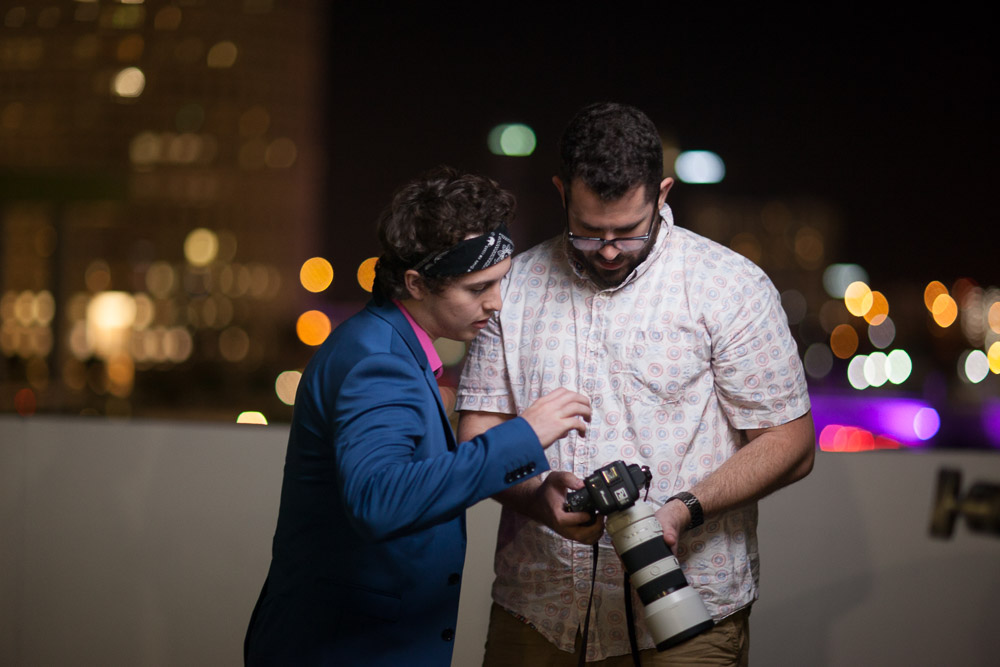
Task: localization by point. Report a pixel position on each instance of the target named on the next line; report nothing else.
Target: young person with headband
(370, 542)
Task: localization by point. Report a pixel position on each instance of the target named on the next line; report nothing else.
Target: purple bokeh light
(911, 422)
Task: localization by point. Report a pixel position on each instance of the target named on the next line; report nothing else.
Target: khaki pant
(512, 642)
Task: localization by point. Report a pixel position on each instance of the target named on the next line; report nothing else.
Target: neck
(420, 315)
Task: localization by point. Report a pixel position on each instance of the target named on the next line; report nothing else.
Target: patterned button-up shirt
(692, 349)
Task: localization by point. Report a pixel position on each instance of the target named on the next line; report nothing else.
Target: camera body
(613, 488)
(674, 611)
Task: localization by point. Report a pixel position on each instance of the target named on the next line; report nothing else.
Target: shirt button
(448, 634)
(454, 578)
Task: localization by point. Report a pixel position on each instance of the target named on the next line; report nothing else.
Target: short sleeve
(758, 374)
(485, 384)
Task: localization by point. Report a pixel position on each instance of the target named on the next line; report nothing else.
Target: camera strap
(629, 614)
(582, 662)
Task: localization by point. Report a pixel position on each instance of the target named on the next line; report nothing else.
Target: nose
(493, 301)
(609, 252)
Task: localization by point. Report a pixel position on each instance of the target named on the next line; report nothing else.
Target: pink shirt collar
(425, 340)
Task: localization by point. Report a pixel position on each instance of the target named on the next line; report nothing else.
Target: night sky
(886, 123)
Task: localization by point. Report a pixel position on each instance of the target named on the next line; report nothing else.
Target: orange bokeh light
(858, 298)
(993, 317)
(313, 327)
(366, 274)
(844, 341)
(933, 290)
(879, 310)
(944, 310)
(316, 274)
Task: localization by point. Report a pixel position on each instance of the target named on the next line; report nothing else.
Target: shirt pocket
(653, 368)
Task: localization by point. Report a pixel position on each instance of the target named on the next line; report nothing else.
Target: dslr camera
(674, 610)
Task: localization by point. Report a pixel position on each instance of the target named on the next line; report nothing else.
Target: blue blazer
(370, 543)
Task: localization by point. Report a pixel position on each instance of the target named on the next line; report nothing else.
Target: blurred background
(188, 188)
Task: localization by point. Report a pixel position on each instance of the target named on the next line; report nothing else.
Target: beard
(607, 275)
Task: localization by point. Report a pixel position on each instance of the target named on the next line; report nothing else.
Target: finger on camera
(565, 479)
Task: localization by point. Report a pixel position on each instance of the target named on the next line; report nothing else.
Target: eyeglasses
(624, 243)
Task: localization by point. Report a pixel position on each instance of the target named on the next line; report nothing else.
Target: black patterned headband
(475, 254)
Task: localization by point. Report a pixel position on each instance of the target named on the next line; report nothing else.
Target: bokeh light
(512, 140)
(129, 82)
(833, 313)
(974, 366)
(281, 153)
(818, 360)
(993, 317)
(222, 55)
(316, 274)
(201, 247)
(993, 356)
(160, 279)
(898, 366)
(837, 277)
(881, 336)
(25, 402)
(97, 276)
(856, 372)
(177, 344)
(879, 309)
(926, 423)
(234, 344)
(699, 167)
(837, 438)
(366, 273)
(313, 327)
(844, 341)
(944, 310)
(858, 298)
(932, 291)
(168, 18)
(748, 245)
(286, 386)
(874, 369)
(252, 417)
(809, 248)
(110, 316)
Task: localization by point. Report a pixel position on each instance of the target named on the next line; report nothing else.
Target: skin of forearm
(773, 458)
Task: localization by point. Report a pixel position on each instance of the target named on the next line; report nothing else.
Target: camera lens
(674, 611)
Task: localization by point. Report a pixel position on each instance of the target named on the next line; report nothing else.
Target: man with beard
(684, 351)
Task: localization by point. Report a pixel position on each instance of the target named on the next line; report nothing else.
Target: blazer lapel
(388, 311)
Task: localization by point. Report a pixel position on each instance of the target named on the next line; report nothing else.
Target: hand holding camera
(674, 610)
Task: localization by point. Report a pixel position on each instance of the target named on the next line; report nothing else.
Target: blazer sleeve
(394, 471)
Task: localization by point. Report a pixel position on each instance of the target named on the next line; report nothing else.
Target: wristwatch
(697, 515)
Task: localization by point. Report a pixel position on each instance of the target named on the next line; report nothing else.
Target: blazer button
(454, 578)
(448, 634)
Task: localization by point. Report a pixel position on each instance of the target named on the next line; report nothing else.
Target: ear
(415, 285)
(556, 181)
(665, 186)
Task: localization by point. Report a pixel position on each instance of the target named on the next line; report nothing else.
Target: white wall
(145, 543)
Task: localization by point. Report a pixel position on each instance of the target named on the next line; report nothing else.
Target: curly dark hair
(433, 213)
(611, 148)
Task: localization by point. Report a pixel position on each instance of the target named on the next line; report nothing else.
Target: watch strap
(693, 505)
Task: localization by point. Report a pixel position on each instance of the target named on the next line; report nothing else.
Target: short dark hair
(611, 148)
(433, 213)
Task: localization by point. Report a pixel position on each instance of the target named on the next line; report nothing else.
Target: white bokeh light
(700, 167)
